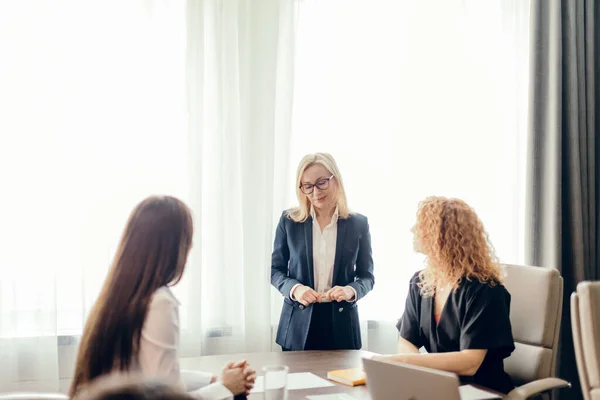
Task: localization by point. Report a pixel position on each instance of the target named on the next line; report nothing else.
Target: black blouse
(475, 316)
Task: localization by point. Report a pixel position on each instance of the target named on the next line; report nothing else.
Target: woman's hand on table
(238, 377)
(250, 374)
(401, 358)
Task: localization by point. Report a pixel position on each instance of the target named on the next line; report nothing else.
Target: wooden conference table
(316, 362)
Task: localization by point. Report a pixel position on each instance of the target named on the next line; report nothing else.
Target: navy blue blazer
(292, 263)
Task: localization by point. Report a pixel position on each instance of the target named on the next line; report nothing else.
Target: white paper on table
(297, 381)
(337, 396)
(468, 392)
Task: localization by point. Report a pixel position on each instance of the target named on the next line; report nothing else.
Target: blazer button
(301, 307)
(341, 309)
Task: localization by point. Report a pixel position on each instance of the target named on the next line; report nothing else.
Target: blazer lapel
(339, 248)
(308, 237)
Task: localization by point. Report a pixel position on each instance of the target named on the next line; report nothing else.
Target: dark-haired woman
(134, 325)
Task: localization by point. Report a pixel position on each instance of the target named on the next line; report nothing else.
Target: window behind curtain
(92, 120)
(416, 98)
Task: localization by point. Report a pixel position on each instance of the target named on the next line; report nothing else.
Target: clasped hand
(238, 378)
(306, 295)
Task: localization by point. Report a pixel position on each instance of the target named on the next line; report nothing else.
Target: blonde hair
(457, 247)
(301, 213)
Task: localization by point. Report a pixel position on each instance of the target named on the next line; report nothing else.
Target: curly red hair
(457, 246)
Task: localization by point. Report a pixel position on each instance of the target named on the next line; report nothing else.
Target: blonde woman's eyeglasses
(321, 184)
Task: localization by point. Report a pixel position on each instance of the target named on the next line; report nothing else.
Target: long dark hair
(152, 253)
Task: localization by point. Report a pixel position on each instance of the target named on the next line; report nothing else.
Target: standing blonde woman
(457, 307)
(322, 262)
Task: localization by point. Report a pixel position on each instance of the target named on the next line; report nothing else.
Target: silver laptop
(396, 381)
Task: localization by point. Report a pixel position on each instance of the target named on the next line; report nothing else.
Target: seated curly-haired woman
(457, 307)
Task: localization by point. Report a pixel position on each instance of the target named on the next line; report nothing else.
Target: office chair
(535, 314)
(585, 323)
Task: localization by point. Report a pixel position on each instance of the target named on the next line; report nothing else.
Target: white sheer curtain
(240, 93)
(105, 103)
(92, 119)
(416, 98)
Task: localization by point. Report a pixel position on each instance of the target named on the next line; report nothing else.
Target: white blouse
(324, 248)
(159, 350)
(324, 244)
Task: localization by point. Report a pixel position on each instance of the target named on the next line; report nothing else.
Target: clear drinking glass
(275, 382)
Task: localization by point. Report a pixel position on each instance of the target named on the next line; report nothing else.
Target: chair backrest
(535, 313)
(585, 323)
(33, 396)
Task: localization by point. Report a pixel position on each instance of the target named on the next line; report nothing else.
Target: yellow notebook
(348, 377)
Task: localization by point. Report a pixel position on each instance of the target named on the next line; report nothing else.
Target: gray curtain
(563, 164)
